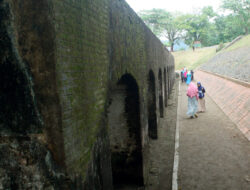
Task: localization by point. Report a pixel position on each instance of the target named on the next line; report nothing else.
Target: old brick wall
(75, 52)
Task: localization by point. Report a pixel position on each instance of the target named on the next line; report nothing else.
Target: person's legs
(203, 106)
(196, 107)
(199, 107)
(192, 107)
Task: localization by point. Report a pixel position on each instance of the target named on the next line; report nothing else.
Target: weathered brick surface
(232, 98)
(72, 53)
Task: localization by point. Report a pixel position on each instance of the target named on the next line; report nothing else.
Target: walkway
(213, 153)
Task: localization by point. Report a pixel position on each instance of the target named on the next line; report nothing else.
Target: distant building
(197, 44)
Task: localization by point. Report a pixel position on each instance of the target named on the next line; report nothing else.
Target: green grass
(192, 60)
(243, 42)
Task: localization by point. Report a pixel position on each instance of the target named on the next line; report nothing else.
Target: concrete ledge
(231, 95)
(243, 83)
(231, 43)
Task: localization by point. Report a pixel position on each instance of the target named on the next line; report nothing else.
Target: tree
(241, 10)
(163, 24)
(197, 26)
(227, 28)
(172, 28)
(152, 19)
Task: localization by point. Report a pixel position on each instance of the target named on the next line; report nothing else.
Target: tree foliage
(205, 25)
(240, 10)
(163, 24)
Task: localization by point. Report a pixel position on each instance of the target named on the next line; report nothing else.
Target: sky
(184, 6)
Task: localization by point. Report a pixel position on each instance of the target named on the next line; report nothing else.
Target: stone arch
(160, 93)
(165, 88)
(169, 79)
(152, 117)
(125, 133)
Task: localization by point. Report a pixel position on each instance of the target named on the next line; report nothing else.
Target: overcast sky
(184, 6)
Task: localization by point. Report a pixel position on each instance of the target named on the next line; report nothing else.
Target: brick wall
(75, 52)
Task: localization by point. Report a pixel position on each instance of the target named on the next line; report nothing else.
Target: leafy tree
(197, 26)
(227, 28)
(205, 25)
(240, 10)
(152, 19)
(164, 24)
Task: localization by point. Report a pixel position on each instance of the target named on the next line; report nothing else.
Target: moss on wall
(75, 52)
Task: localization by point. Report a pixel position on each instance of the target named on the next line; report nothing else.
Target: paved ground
(161, 151)
(232, 98)
(214, 155)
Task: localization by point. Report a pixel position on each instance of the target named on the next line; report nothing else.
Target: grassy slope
(243, 42)
(191, 59)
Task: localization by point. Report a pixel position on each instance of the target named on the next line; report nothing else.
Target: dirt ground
(161, 151)
(214, 155)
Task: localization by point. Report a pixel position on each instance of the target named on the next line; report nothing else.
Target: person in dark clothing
(201, 100)
(182, 75)
(192, 75)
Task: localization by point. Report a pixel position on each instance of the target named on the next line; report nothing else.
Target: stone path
(214, 154)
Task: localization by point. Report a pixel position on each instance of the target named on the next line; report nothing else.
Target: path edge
(176, 155)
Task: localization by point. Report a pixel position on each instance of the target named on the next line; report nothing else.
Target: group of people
(196, 95)
(187, 76)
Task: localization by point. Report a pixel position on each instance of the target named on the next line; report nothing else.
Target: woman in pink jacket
(192, 93)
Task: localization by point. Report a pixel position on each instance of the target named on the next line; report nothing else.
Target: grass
(243, 42)
(192, 60)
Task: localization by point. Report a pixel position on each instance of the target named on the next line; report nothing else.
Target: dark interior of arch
(165, 88)
(17, 112)
(168, 75)
(125, 134)
(160, 94)
(152, 118)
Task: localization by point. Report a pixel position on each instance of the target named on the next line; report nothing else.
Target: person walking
(182, 75)
(185, 75)
(192, 75)
(192, 93)
(201, 91)
(188, 78)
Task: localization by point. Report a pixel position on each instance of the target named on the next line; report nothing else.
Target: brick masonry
(232, 98)
(70, 55)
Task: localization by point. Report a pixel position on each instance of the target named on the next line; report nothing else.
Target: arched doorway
(165, 88)
(160, 93)
(152, 118)
(125, 133)
(168, 75)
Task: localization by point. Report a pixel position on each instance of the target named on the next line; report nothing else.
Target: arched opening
(125, 134)
(160, 93)
(169, 79)
(152, 118)
(165, 88)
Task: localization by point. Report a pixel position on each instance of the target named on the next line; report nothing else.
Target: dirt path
(214, 155)
(161, 151)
